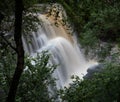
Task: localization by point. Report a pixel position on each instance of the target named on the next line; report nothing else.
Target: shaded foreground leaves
(102, 87)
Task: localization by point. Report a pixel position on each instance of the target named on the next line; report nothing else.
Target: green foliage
(94, 20)
(30, 20)
(6, 6)
(30, 16)
(102, 87)
(7, 66)
(36, 83)
(104, 25)
(37, 80)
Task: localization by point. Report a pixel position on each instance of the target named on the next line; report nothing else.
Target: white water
(63, 48)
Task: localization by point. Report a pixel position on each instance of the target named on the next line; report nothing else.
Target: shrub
(36, 83)
(102, 87)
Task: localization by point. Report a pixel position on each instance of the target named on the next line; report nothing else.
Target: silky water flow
(63, 48)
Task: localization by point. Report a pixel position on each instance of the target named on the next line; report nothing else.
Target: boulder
(94, 69)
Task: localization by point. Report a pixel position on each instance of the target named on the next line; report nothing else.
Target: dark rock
(94, 69)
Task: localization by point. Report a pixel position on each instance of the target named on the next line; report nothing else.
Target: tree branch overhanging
(1, 35)
(19, 49)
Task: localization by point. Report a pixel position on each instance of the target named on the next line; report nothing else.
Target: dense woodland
(94, 21)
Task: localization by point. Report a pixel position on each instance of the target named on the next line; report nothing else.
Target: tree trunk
(19, 49)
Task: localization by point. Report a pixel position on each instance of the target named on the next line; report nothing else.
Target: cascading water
(63, 48)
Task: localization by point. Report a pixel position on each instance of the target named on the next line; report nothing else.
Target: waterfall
(63, 48)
